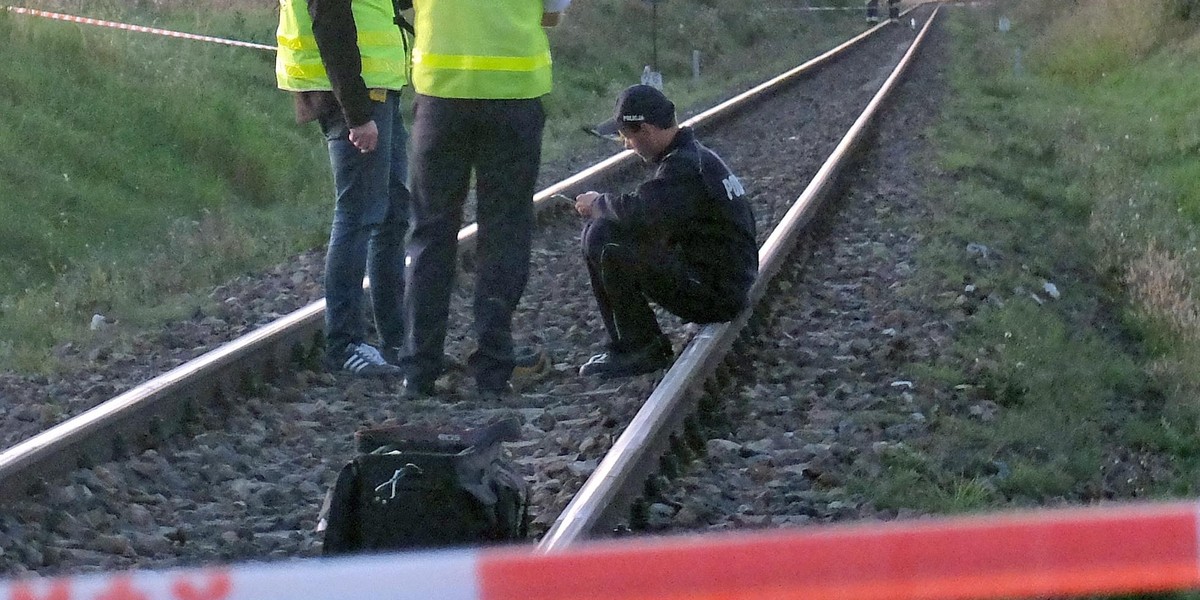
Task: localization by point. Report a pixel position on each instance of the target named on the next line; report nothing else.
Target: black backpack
(417, 488)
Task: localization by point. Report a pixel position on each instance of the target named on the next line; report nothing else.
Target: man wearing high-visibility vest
(480, 68)
(347, 60)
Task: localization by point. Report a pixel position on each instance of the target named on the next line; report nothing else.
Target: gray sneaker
(363, 360)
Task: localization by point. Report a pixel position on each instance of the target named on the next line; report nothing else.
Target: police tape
(138, 28)
(1061, 552)
(804, 8)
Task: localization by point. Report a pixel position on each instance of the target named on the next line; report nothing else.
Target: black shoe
(530, 365)
(491, 394)
(419, 388)
(362, 360)
(651, 357)
(395, 356)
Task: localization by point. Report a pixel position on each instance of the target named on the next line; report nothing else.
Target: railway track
(245, 455)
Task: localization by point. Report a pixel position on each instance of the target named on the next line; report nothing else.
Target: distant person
(347, 62)
(893, 9)
(685, 239)
(480, 71)
(872, 11)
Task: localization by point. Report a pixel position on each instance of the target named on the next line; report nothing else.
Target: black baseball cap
(639, 104)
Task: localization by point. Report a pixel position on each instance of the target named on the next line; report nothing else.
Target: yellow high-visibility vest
(298, 66)
(480, 49)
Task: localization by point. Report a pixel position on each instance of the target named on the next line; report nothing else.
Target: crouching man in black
(685, 239)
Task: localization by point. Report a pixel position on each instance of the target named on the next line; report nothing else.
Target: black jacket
(695, 208)
(337, 41)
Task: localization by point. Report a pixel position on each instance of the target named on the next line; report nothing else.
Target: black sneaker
(418, 388)
(651, 357)
(362, 360)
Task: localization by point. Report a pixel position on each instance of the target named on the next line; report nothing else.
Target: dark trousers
(627, 274)
(501, 141)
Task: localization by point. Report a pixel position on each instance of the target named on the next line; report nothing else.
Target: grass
(127, 194)
(138, 171)
(1071, 150)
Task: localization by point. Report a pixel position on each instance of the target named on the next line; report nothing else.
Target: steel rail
(620, 476)
(152, 409)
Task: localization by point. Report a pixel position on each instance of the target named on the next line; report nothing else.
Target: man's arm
(669, 197)
(337, 41)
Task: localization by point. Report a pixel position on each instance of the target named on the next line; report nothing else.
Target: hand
(365, 137)
(584, 202)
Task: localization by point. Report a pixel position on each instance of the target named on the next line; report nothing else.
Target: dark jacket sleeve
(658, 204)
(337, 41)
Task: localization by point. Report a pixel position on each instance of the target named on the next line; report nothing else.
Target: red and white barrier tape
(139, 28)
(1091, 551)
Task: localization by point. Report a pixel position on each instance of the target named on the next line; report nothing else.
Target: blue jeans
(501, 141)
(370, 221)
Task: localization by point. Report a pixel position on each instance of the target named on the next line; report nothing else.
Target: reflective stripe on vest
(481, 63)
(477, 49)
(381, 46)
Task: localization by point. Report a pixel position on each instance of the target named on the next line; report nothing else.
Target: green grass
(1078, 167)
(137, 174)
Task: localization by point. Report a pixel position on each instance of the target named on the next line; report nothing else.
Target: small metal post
(654, 25)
